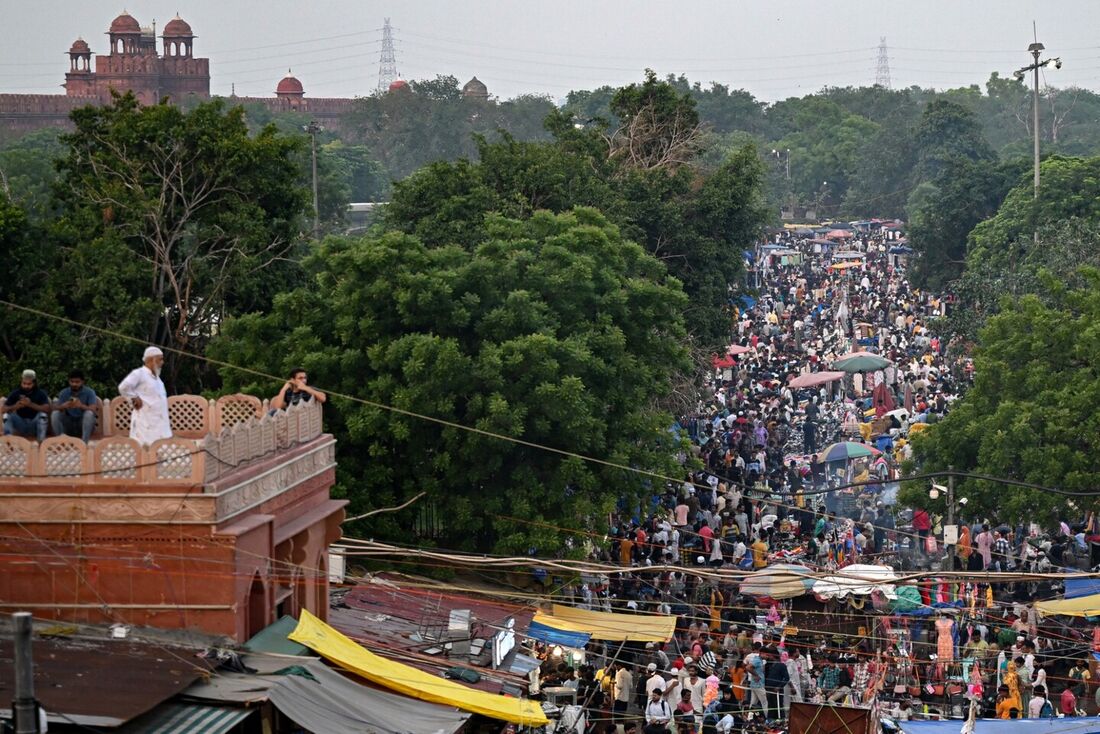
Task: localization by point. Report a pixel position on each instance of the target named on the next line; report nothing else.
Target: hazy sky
(775, 49)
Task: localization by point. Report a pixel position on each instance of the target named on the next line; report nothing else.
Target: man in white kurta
(149, 421)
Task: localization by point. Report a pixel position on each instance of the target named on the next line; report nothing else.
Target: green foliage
(697, 222)
(168, 221)
(1068, 191)
(28, 171)
(825, 141)
(431, 121)
(1034, 411)
(944, 211)
(946, 133)
(553, 330)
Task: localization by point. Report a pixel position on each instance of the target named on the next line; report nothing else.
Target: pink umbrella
(839, 234)
(736, 349)
(812, 379)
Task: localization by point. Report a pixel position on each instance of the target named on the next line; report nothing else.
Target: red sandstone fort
(133, 64)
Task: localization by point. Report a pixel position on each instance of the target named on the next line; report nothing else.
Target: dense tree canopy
(430, 120)
(1034, 411)
(553, 330)
(167, 221)
(697, 222)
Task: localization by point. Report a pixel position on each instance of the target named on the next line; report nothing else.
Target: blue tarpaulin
(1000, 726)
(552, 636)
(1082, 587)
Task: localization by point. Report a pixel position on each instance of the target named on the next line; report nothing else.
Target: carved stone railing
(247, 432)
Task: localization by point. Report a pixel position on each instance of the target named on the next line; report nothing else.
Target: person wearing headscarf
(964, 548)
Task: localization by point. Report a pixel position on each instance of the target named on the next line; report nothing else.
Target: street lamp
(1035, 49)
(779, 156)
(313, 128)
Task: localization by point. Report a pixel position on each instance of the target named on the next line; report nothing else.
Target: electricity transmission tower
(387, 63)
(882, 67)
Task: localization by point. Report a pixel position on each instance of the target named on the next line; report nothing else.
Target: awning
(329, 643)
(1082, 606)
(553, 636)
(813, 379)
(333, 704)
(273, 638)
(324, 701)
(610, 626)
(193, 718)
(1004, 726)
(1081, 587)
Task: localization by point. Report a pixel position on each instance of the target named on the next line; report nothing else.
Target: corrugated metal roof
(389, 618)
(102, 682)
(187, 718)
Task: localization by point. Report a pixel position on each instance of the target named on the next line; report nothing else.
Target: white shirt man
(657, 710)
(149, 421)
(655, 681)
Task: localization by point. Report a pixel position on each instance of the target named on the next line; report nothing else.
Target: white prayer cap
(151, 352)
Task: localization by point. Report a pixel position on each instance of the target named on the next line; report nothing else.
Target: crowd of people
(764, 495)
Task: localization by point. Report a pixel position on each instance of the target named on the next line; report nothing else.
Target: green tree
(554, 330)
(1068, 191)
(1033, 413)
(431, 121)
(946, 133)
(658, 127)
(183, 217)
(825, 142)
(697, 222)
(28, 170)
(942, 214)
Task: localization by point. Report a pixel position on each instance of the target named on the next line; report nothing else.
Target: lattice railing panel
(189, 415)
(232, 410)
(120, 416)
(64, 456)
(174, 459)
(17, 456)
(119, 457)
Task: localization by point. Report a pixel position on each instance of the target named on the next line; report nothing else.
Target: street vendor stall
(857, 582)
(778, 581)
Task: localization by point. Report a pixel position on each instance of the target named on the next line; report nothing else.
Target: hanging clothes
(945, 640)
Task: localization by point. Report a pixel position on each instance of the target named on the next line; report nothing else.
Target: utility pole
(951, 496)
(313, 128)
(1035, 49)
(24, 707)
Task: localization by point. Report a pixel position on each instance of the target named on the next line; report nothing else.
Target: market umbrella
(882, 399)
(844, 265)
(839, 234)
(847, 450)
(779, 581)
(861, 362)
(813, 379)
(735, 349)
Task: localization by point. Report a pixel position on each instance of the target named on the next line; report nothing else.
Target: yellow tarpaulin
(1082, 606)
(608, 626)
(348, 654)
